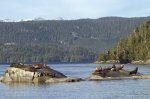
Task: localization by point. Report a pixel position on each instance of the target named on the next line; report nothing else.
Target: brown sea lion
(98, 69)
(20, 65)
(13, 65)
(31, 69)
(113, 68)
(106, 69)
(39, 66)
(134, 71)
(120, 67)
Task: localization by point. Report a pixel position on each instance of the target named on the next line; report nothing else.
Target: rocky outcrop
(96, 77)
(141, 62)
(34, 73)
(107, 62)
(114, 72)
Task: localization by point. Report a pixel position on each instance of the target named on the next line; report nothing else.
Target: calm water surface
(113, 89)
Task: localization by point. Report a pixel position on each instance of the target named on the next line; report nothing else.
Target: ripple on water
(112, 89)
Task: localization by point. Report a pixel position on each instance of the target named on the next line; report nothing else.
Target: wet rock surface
(34, 73)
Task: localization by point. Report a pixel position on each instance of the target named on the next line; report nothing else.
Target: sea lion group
(28, 67)
(21, 65)
(105, 71)
(42, 69)
(18, 72)
(113, 68)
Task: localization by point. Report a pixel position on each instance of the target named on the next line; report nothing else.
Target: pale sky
(72, 9)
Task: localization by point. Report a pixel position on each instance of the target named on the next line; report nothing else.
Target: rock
(96, 77)
(138, 62)
(147, 61)
(37, 73)
(116, 73)
(107, 62)
(141, 62)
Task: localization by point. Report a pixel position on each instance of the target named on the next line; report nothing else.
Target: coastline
(107, 62)
(134, 62)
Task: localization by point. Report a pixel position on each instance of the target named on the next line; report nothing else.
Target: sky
(72, 9)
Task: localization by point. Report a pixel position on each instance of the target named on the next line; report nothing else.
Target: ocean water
(112, 89)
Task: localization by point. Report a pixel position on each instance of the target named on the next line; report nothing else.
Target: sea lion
(31, 69)
(114, 66)
(104, 72)
(134, 71)
(120, 67)
(13, 65)
(113, 69)
(98, 69)
(106, 69)
(39, 66)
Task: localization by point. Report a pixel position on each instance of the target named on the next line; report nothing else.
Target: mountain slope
(86, 33)
(62, 40)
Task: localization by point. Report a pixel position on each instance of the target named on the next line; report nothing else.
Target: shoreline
(139, 62)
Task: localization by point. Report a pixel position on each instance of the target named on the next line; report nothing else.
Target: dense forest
(41, 53)
(62, 40)
(135, 47)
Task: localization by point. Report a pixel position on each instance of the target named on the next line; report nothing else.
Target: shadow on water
(17, 84)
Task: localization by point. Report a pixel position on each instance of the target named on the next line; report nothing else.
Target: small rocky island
(36, 73)
(116, 72)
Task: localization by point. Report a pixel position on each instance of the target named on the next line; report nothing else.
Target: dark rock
(115, 71)
(117, 74)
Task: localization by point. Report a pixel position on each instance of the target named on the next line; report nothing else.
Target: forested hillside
(43, 53)
(62, 40)
(134, 48)
(87, 33)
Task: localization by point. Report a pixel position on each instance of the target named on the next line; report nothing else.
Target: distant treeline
(135, 47)
(44, 53)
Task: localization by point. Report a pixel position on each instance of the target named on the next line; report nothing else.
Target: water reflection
(17, 84)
